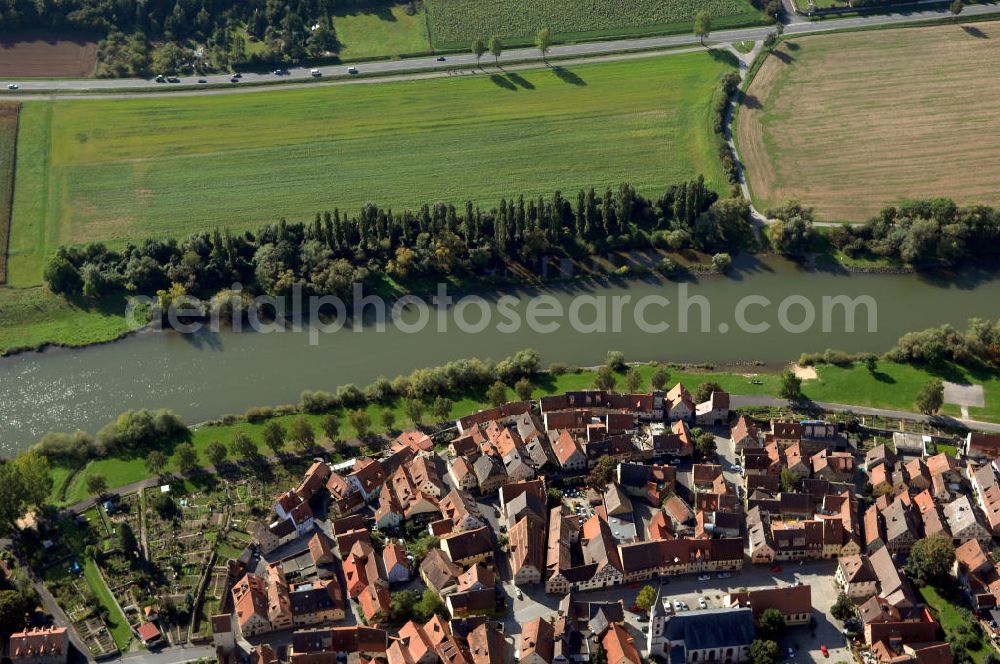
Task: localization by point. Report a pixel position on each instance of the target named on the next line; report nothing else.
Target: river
(206, 374)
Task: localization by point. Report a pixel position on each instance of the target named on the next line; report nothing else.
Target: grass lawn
(366, 32)
(946, 610)
(118, 170)
(455, 23)
(30, 317)
(8, 143)
(116, 622)
(120, 472)
(911, 114)
(895, 386)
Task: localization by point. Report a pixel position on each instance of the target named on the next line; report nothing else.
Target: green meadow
(118, 170)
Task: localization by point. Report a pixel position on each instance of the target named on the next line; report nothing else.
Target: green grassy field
(895, 386)
(117, 170)
(117, 625)
(31, 317)
(387, 30)
(8, 145)
(455, 23)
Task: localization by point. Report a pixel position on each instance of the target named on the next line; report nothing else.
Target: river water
(205, 375)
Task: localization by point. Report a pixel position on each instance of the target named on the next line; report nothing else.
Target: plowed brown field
(46, 55)
(849, 122)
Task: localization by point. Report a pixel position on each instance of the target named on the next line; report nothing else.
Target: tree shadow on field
(750, 101)
(517, 79)
(792, 45)
(727, 57)
(567, 76)
(973, 31)
(502, 82)
(784, 57)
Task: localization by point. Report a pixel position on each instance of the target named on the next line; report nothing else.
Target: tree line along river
(760, 312)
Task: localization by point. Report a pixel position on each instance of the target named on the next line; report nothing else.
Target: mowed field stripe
(122, 170)
(8, 161)
(850, 122)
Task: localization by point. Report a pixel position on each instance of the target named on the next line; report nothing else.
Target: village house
(784, 433)
(527, 549)
(745, 435)
(251, 605)
(419, 443)
(714, 412)
(651, 482)
(678, 404)
(856, 577)
(469, 547)
(39, 645)
(644, 560)
(964, 522)
(978, 572)
(366, 477)
(291, 506)
(794, 603)
(619, 647)
(331, 644)
(537, 643)
(439, 573)
(980, 446)
(490, 474)
(879, 455)
(462, 474)
(567, 452)
(389, 513)
(833, 466)
(395, 563)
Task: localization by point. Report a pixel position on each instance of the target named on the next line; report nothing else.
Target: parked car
(642, 618)
(234, 79)
(160, 79)
(441, 59)
(518, 593)
(826, 653)
(791, 652)
(704, 577)
(173, 79)
(352, 71)
(316, 72)
(723, 575)
(677, 605)
(702, 603)
(201, 80)
(236, 74)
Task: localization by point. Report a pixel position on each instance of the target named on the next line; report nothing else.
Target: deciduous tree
(156, 461)
(702, 25)
(543, 41)
(496, 48)
(497, 394)
(216, 452)
(478, 49)
(931, 397)
(274, 436)
(185, 458)
(97, 484)
(931, 559)
(302, 434)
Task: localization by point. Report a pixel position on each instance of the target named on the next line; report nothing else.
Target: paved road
(939, 420)
(514, 55)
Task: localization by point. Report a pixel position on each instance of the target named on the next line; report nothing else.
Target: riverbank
(891, 386)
